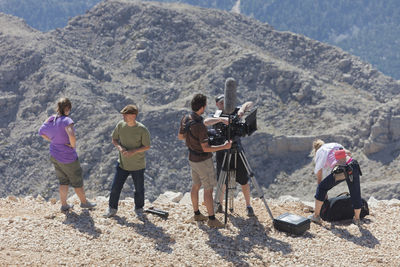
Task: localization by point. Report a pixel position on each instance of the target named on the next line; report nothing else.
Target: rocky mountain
(157, 56)
(368, 29)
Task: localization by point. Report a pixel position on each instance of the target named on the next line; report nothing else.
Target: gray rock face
(158, 56)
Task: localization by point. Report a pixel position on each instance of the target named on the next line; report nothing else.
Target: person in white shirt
(327, 157)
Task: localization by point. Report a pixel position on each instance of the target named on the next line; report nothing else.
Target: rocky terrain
(34, 232)
(157, 56)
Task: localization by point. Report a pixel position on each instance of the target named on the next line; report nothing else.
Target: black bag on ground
(341, 208)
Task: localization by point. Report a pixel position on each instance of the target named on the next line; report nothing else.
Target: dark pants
(354, 187)
(241, 172)
(119, 180)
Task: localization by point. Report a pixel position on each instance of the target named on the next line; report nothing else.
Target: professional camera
(218, 135)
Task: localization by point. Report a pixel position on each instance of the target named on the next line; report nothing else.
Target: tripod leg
(221, 183)
(232, 183)
(220, 189)
(254, 181)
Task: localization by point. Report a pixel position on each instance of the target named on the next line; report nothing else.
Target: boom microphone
(230, 96)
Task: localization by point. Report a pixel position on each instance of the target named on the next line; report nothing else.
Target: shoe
(357, 221)
(215, 223)
(110, 213)
(138, 211)
(250, 212)
(66, 208)
(88, 205)
(315, 219)
(200, 218)
(220, 209)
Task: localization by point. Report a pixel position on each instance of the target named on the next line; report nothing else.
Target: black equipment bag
(341, 208)
(292, 223)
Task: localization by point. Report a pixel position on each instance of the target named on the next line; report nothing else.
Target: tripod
(227, 177)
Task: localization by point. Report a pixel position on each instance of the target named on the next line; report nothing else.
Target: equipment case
(292, 223)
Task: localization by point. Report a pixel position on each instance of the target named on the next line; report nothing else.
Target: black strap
(189, 121)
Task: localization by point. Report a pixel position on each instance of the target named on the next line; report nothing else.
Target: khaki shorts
(203, 172)
(68, 173)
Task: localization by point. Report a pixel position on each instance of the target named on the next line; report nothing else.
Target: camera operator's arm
(212, 121)
(207, 148)
(245, 107)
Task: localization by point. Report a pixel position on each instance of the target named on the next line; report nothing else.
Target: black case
(292, 223)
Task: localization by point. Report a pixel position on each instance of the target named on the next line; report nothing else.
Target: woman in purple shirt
(59, 131)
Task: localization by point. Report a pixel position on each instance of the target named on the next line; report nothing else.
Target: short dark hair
(62, 105)
(198, 101)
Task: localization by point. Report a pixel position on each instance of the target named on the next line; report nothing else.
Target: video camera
(218, 135)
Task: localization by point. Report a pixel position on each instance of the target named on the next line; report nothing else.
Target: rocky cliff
(159, 55)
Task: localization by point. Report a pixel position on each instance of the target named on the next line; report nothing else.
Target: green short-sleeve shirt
(131, 137)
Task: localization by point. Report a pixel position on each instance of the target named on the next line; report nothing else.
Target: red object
(340, 154)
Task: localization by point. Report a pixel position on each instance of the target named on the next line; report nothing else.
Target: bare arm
(45, 137)
(207, 148)
(129, 153)
(71, 135)
(118, 146)
(319, 176)
(181, 136)
(245, 107)
(212, 121)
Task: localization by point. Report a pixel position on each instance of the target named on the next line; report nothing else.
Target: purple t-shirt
(54, 128)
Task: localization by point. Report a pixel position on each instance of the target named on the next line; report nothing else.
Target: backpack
(341, 208)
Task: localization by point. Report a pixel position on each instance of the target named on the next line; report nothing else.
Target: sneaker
(357, 222)
(138, 211)
(110, 212)
(215, 223)
(88, 205)
(220, 209)
(200, 218)
(250, 212)
(66, 208)
(315, 219)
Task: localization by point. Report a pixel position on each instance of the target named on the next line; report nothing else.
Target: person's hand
(228, 144)
(128, 153)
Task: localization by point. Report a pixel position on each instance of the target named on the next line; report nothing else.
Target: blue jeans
(119, 180)
(354, 187)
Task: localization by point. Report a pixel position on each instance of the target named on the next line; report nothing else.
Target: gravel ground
(34, 232)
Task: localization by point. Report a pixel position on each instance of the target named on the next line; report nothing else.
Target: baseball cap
(340, 154)
(219, 98)
(130, 109)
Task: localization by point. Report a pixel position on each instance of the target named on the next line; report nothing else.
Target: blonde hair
(317, 143)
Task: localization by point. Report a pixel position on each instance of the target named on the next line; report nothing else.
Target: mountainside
(157, 56)
(34, 232)
(368, 29)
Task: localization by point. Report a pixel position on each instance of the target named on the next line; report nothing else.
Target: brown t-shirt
(195, 136)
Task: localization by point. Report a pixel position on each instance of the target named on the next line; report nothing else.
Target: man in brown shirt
(194, 132)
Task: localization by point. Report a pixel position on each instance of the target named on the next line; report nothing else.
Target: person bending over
(332, 161)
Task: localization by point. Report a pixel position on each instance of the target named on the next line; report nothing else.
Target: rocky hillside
(34, 232)
(159, 55)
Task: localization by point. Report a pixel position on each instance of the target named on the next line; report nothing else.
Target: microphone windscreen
(230, 96)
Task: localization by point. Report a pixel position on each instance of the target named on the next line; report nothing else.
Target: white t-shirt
(325, 158)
